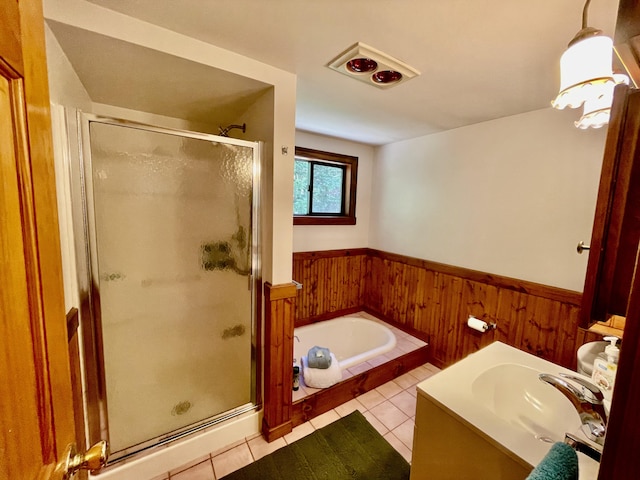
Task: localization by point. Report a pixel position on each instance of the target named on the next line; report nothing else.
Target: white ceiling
(119, 73)
(479, 59)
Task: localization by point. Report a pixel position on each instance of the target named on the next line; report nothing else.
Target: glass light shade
(361, 65)
(597, 110)
(386, 77)
(584, 68)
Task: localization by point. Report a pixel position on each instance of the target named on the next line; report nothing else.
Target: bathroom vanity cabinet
(443, 439)
(616, 229)
(489, 416)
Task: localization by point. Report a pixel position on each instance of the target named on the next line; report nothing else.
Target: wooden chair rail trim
(279, 292)
(348, 252)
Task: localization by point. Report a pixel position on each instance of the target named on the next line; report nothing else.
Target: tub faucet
(589, 403)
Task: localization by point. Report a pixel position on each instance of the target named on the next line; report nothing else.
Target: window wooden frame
(350, 164)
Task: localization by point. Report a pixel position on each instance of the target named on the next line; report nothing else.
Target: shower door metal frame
(89, 286)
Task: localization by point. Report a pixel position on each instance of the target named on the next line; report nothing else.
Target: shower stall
(170, 281)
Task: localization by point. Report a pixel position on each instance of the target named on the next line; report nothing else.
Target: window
(324, 188)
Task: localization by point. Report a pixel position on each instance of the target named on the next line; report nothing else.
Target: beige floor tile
(299, 432)
(413, 391)
(390, 415)
(395, 353)
(189, 465)
(226, 448)
(405, 402)
(406, 380)
(232, 460)
(164, 476)
(349, 407)
(398, 445)
(416, 341)
(404, 432)
(201, 471)
(422, 373)
(376, 361)
(346, 374)
(375, 423)
(431, 367)
(260, 447)
(324, 419)
(389, 389)
(371, 399)
(405, 345)
(360, 368)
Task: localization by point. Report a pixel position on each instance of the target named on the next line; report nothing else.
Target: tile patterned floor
(390, 408)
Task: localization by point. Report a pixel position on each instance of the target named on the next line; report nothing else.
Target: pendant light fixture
(586, 75)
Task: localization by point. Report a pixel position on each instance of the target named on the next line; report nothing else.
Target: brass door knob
(582, 247)
(93, 460)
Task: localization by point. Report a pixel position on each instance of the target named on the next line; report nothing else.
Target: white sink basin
(496, 395)
(514, 393)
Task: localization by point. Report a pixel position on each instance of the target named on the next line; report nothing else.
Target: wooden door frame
(25, 66)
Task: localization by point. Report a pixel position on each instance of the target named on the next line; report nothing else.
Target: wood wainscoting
(433, 301)
(278, 355)
(332, 283)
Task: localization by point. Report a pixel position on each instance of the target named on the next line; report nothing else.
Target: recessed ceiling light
(371, 66)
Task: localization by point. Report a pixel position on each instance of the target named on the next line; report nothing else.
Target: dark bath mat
(347, 449)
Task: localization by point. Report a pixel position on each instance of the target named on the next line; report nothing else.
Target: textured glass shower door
(171, 232)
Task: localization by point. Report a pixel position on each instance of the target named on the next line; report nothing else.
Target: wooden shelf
(614, 326)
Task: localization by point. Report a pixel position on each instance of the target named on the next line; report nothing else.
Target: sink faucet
(588, 402)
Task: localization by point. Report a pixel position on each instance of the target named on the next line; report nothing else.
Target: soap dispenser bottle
(605, 367)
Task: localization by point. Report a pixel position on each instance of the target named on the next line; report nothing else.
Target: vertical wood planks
(437, 299)
(332, 281)
(278, 354)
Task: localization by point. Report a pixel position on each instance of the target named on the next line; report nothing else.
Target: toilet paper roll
(477, 324)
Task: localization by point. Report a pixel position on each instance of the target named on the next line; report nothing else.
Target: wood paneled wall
(434, 300)
(332, 283)
(278, 355)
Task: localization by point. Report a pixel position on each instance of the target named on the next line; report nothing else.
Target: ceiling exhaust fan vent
(371, 66)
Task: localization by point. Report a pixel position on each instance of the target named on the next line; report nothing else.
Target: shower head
(224, 132)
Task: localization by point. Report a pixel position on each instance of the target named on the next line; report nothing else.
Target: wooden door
(616, 226)
(36, 414)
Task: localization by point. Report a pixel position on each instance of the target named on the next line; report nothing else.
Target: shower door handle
(72, 462)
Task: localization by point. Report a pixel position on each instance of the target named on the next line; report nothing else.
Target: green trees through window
(324, 188)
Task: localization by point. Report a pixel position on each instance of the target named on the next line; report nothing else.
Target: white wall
(101, 20)
(329, 237)
(65, 88)
(511, 196)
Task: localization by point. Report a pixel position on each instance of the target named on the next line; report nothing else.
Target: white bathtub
(351, 339)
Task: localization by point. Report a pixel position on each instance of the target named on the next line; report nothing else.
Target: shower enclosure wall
(169, 292)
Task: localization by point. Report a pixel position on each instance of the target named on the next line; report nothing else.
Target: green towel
(560, 463)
